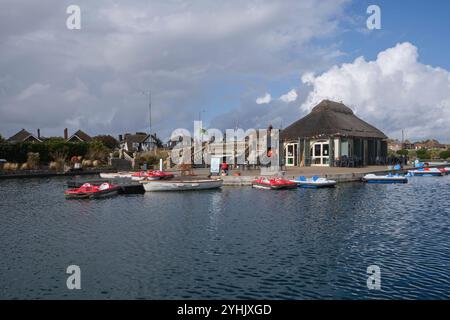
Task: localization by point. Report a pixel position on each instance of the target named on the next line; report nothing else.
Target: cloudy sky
(232, 63)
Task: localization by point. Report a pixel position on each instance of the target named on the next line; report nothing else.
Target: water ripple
(237, 243)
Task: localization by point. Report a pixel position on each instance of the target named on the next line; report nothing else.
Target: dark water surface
(234, 243)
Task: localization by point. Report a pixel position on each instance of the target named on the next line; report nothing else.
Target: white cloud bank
(291, 96)
(264, 99)
(394, 92)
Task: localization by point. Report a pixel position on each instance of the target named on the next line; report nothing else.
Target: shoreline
(52, 173)
(340, 175)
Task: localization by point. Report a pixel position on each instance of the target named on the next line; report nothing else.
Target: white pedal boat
(427, 172)
(114, 175)
(181, 185)
(390, 178)
(314, 182)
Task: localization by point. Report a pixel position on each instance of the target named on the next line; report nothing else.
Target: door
(291, 154)
(320, 153)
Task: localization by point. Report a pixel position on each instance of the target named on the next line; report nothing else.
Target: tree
(2, 140)
(108, 141)
(54, 139)
(403, 152)
(423, 154)
(445, 154)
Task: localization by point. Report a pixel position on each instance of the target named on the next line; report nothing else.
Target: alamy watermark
(374, 20)
(251, 147)
(73, 21)
(74, 280)
(374, 279)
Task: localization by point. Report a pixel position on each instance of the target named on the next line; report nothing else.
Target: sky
(242, 64)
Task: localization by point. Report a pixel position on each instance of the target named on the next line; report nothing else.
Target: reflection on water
(229, 243)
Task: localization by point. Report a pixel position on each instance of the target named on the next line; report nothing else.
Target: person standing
(224, 168)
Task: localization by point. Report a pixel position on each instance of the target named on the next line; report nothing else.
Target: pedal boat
(390, 178)
(90, 191)
(427, 172)
(151, 175)
(273, 183)
(314, 182)
(181, 185)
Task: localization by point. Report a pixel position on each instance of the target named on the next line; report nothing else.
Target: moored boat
(151, 175)
(88, 190)
(314, 182)
(427, 172)
(115, 175)
(273, 183)
(181, 185)
(390, 178)
(105, 190)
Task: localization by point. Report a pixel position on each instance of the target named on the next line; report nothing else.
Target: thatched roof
(330, 118)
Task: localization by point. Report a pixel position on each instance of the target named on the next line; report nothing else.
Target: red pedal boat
(151, 175)
(88, 190)
(273, 183)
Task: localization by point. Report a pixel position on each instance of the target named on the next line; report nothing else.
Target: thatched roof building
(331, 118)
(330, 132)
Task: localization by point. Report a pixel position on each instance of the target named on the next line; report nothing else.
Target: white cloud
(176, 48)
(291, 96)
(394, 92)
(32, 90)
(265, 99)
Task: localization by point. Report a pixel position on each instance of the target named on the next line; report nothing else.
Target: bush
(108, 141)
(32, 160)
(445, 154)
(97, 151)
(403, 152)
(423, 154)
(151, 157)
(18, 152)
(59, 158)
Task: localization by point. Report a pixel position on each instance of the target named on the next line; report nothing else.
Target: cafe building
(332, 135)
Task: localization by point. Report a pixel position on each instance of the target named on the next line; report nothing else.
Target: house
(24, 136)
(408, 145)
(328, 133)
(394, 145)
(139, 142)
(78, 136)
(429, 144)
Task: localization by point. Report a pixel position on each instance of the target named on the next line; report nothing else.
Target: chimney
(120, 138)
(66, 134)
(39, 133)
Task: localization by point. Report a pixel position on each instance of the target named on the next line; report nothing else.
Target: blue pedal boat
(314, 182)
(389, 178)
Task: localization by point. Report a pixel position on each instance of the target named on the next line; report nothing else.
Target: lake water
(234, 243)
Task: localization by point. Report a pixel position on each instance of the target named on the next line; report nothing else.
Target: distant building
(430, 144)
(329, 133)
(78, 136)
(24, 136)
(408, 145)
(138, 142)
(394, 145)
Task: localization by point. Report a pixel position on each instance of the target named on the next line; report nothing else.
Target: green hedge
(445, 154)
(17, 152)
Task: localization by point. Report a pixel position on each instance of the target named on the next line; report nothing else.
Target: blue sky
(221, 57)
(426, 24)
